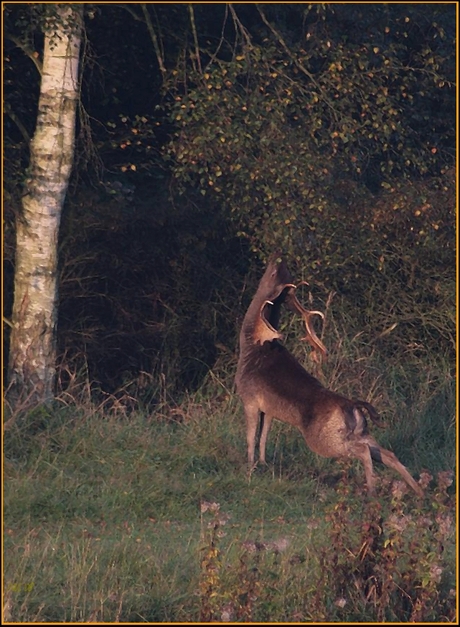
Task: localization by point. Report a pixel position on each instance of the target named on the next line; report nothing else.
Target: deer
(272, 384)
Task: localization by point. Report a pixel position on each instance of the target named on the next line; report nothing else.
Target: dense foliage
(275, 131)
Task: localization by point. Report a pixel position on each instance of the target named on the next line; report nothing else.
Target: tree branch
(221, 41)
(240, 26)
(195, 36)
(18, 123)
(285, 46)
(32, 54)
(126, 7)
(153, 35)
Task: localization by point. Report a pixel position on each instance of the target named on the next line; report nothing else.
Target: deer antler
(279, 292)
(319, 350)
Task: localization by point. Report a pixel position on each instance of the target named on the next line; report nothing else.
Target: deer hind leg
(389, 459)
(361, 451)
(266, 424)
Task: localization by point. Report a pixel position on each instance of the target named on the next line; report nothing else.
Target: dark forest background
(210, 136)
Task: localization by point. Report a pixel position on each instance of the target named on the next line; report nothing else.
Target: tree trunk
(32, 360)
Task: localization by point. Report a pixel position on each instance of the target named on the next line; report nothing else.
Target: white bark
(33, 337)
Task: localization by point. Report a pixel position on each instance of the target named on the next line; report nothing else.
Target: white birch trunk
(32, 357)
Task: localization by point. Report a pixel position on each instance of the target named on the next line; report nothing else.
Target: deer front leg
(252, 422)
(266, 424)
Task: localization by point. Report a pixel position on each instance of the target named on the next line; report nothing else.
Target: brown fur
(273, 384)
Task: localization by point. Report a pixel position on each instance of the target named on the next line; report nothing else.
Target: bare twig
(280, 39)
(221, 41)
(295, 60)
(195, 37)
(239, 26)
(153, 35)
(130, 10)
(19, 124)
(8, 322)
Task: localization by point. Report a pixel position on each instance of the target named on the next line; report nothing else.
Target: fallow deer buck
(273, 384)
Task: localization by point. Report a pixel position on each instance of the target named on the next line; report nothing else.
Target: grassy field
(112, 516)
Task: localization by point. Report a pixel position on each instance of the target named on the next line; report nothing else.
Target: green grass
(104, 520)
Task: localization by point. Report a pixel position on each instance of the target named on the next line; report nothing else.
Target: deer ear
(263, 330)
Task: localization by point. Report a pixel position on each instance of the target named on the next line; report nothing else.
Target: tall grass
(121, 516)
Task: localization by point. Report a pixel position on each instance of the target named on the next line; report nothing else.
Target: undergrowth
(115, 514)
